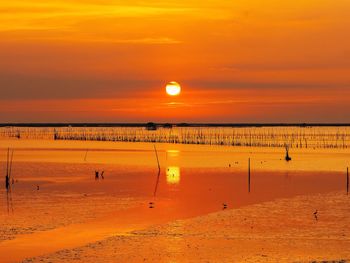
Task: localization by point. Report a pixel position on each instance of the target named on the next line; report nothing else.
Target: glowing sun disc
(173, 88)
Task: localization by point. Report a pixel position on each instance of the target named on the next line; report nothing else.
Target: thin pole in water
(347, 180)
(11, 160)
(157, 182)
(86, 154)
(8, 160)
(7, 179)
(249, 175)
(155, 150)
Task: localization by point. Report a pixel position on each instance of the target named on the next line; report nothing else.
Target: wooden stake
(249, 175)
(7, 177)
(347, 180)
(10, 169)
(157, 182)
(86, 154)
(155, 150)
(7, 163)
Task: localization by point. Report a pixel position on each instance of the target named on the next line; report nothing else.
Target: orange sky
(237, 61)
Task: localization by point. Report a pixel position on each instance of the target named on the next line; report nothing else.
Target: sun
(173, 88)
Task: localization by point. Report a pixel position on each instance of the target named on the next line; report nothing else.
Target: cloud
(61, 37)
(19, 15)
(160, 40)
(146, 41)
(15, 86)
(238, 85)
(34, 87)
(287, 66)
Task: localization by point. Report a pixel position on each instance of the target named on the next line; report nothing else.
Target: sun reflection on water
(173, 175)
(172, 153)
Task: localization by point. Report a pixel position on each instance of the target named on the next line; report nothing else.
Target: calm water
(56, 202)
(186, 191)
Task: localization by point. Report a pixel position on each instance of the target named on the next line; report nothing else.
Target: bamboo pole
(86, 154)
(249, 175)
(10, 169)
(347, 180)
(157, 183)
(7, 162)
(7, 179)
(155, 150)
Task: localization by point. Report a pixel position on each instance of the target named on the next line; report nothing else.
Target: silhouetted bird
(315, 215)
(151, 205)
(224, 206)
(37, 188)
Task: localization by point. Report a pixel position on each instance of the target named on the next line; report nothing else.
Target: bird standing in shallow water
(315, 215)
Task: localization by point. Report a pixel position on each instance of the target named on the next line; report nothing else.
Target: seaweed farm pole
(347, 180)
(157, 182)
(86, 154)
(10, 169)
(155, 150)
(249, 175)
(7, 170)
(8, 160)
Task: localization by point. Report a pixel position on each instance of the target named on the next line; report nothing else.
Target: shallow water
(69, 193)
(71, 208)
(204, 187)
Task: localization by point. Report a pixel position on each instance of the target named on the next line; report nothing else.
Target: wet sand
(72, 209)
(283, 230)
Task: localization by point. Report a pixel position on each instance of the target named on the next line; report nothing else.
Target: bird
(315, 215)
(151, 205)
(224, 206)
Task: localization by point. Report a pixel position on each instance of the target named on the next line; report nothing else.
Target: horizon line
(167, 124)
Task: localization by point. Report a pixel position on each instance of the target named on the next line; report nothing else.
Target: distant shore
(162, 124)
(302, 136)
